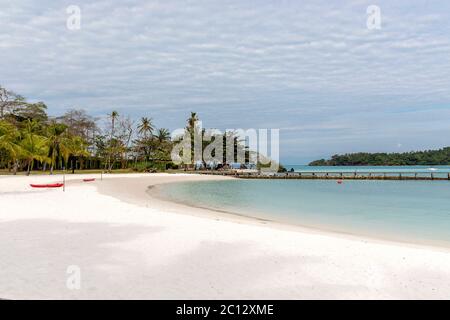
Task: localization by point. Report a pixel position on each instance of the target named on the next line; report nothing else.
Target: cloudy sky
(313, 69)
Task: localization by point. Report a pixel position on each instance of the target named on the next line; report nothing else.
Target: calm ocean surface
(413, 211)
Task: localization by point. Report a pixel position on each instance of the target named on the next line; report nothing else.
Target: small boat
(339, 181)
(47, 185)
(89, 179)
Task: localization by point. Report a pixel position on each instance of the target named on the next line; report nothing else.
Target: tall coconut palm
(191, 127)
(57, 142)
(192, 122)
(114, 115)
(33, 145)
(145, 128)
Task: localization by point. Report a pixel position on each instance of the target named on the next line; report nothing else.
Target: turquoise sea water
(412, 211)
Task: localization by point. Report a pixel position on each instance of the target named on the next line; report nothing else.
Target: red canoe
(89, 180)
(48, 185)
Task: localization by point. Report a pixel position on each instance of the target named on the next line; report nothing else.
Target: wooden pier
(333, 175)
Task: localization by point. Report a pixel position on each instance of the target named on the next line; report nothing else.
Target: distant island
(428, 157)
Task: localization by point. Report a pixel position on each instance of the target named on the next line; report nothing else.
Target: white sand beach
(130, 245)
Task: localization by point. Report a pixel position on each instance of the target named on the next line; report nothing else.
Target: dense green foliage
(428, 157)
(30, 139)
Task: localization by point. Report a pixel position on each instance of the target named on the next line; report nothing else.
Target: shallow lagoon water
(412, 211)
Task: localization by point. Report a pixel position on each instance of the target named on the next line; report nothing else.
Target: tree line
(30, 139)
(428, 157)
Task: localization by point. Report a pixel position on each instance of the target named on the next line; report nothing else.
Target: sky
(313, 69)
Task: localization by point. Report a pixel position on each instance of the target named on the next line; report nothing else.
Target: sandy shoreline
(129, 245)
(145, 192)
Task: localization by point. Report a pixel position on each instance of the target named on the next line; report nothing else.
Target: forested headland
(427, 157)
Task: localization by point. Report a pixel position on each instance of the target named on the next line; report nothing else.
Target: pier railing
(356, 175)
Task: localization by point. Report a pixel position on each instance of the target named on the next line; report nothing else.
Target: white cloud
(238, 63)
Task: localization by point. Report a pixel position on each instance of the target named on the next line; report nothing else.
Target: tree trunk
(29, 167)
(110, 166)
(15, 167)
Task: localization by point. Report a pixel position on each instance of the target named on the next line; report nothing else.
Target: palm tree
(191, 126)
(75, 147)
(146, 127)
(114, 115)
(33, 145)
(9, 137)
(192, 122)
(57, 142)
(163, 135)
